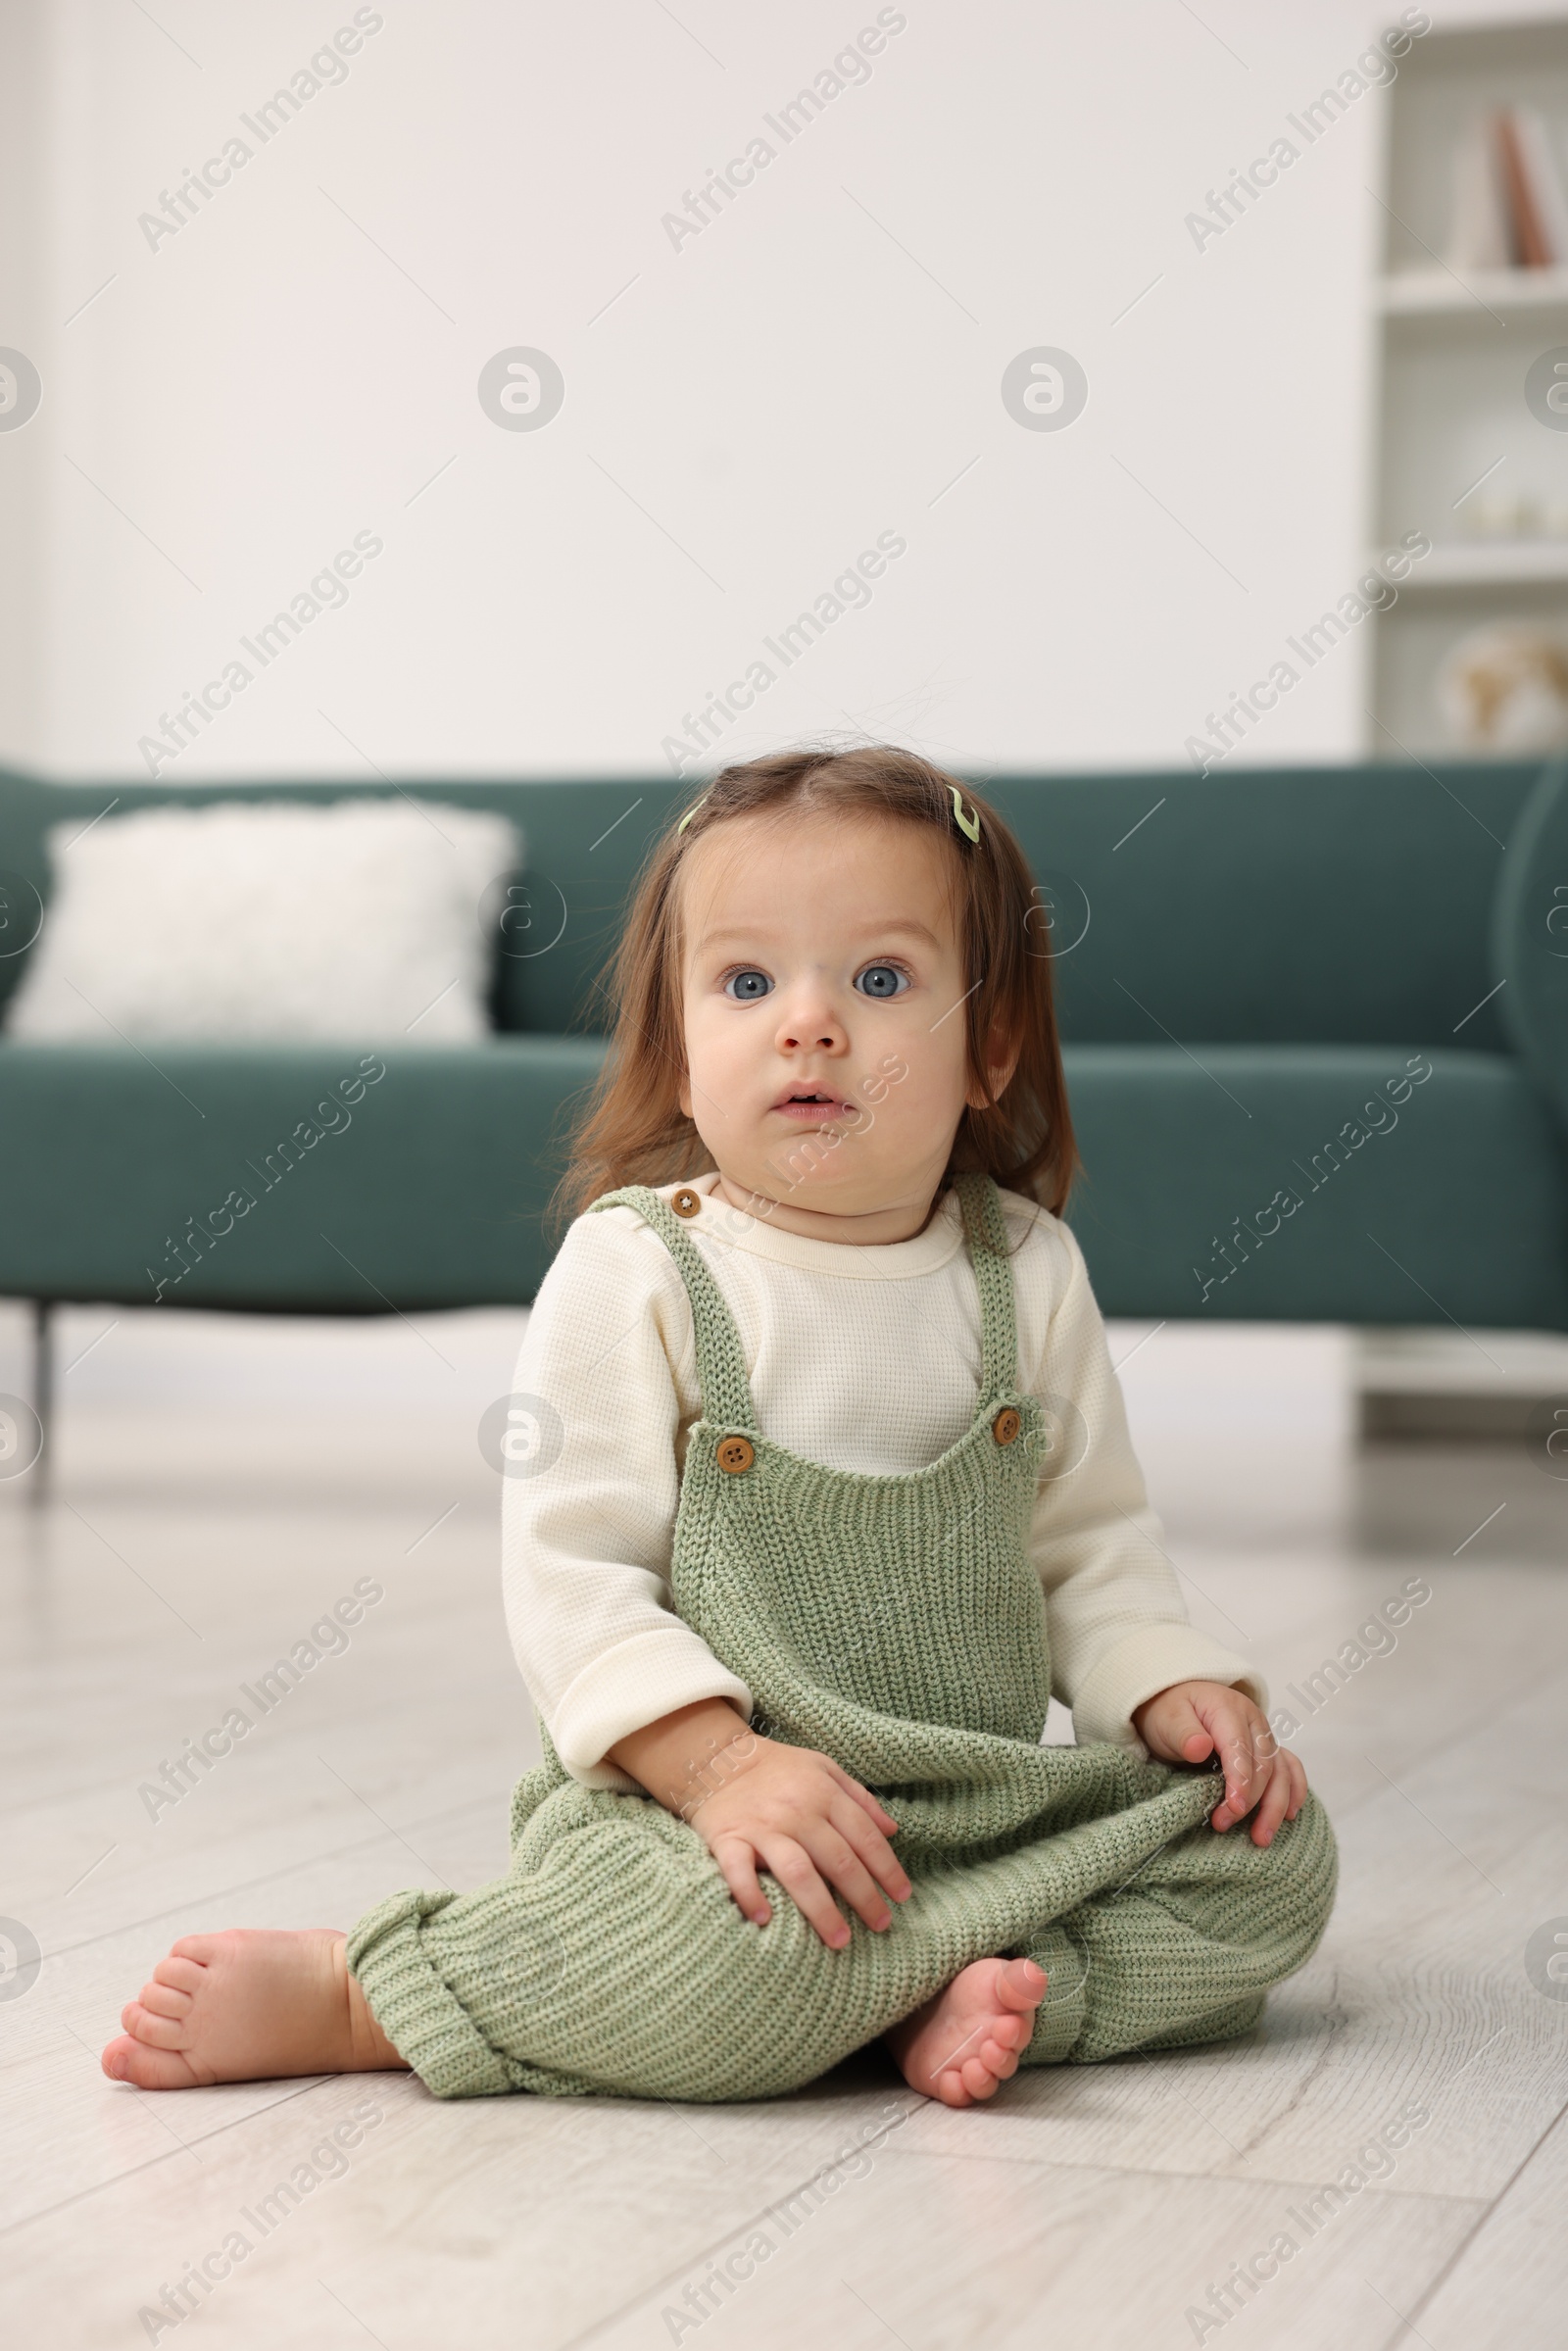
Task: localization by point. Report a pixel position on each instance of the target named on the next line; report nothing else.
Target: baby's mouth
(809, 1105)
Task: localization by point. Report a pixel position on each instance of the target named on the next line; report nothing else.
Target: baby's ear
(1001, 1074)
(1001, 1062)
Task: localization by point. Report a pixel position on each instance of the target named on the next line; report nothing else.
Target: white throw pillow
(269, 920)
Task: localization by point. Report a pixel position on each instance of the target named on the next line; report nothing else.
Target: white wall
(815, 367)
(26, 301)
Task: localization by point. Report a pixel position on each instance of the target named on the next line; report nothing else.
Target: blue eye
(745, 986)
(882, 980)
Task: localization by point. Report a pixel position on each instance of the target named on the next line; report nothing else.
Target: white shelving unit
(1490, 563)
(1435, 293)
(1454, 438)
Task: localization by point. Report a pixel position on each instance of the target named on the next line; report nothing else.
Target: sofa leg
(43, 1383)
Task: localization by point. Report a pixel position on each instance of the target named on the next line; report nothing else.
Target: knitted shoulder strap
(992, 1272)
(720, 1363)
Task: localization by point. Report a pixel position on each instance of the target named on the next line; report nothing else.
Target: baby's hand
(799, 1814)
(1194, 1719)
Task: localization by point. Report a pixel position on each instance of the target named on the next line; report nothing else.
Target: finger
(841, 1865)
(1185, 1733)
(1236, 1759)
(797, 1873)
(1246, 1774)
(862, 1796)
(1229, 1810)
(739, 1864)
(1271, 1809)
(873, 1848)
(1237, 1801)
(1295, 1776)
(1298, 1771)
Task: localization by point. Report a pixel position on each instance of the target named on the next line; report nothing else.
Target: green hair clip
(968, 825)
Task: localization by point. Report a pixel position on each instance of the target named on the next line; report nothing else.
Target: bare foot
(959, 2045)
(248, 2005)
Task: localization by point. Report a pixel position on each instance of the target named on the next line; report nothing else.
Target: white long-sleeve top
(863, 1358)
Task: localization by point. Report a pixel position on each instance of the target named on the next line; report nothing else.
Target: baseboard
(1457, 1386)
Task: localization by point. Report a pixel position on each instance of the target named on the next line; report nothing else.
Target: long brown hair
(632, 1129)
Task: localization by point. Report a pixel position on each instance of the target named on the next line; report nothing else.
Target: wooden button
(1005, 1428)
(735, 1454)
(686, 1201)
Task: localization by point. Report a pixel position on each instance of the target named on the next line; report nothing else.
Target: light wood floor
(223, 1481)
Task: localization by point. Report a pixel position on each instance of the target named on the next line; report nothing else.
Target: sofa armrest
(1530, 936)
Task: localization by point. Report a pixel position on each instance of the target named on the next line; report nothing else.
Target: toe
(1020, 1984)
(132, 2061)
(1002, 2062)
(159, 1999)
(978, 2079)
(153, 2032)
(179, 1974)
(948, 2088)
(202, 1948)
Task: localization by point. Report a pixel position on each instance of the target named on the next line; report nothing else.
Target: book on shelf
(1511, 210)
(1544, 181)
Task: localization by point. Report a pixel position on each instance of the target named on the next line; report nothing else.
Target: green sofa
(1318, 1044)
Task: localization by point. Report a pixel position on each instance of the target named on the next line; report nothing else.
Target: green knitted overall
(897, 1624)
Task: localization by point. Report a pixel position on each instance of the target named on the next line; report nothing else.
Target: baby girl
(823, 1486)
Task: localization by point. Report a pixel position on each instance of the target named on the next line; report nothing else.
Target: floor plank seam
(1491, 2207)
(738, 2228)
(133, 2171)
(225, 1893)
(1144, 2171)
(1519, 1695)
